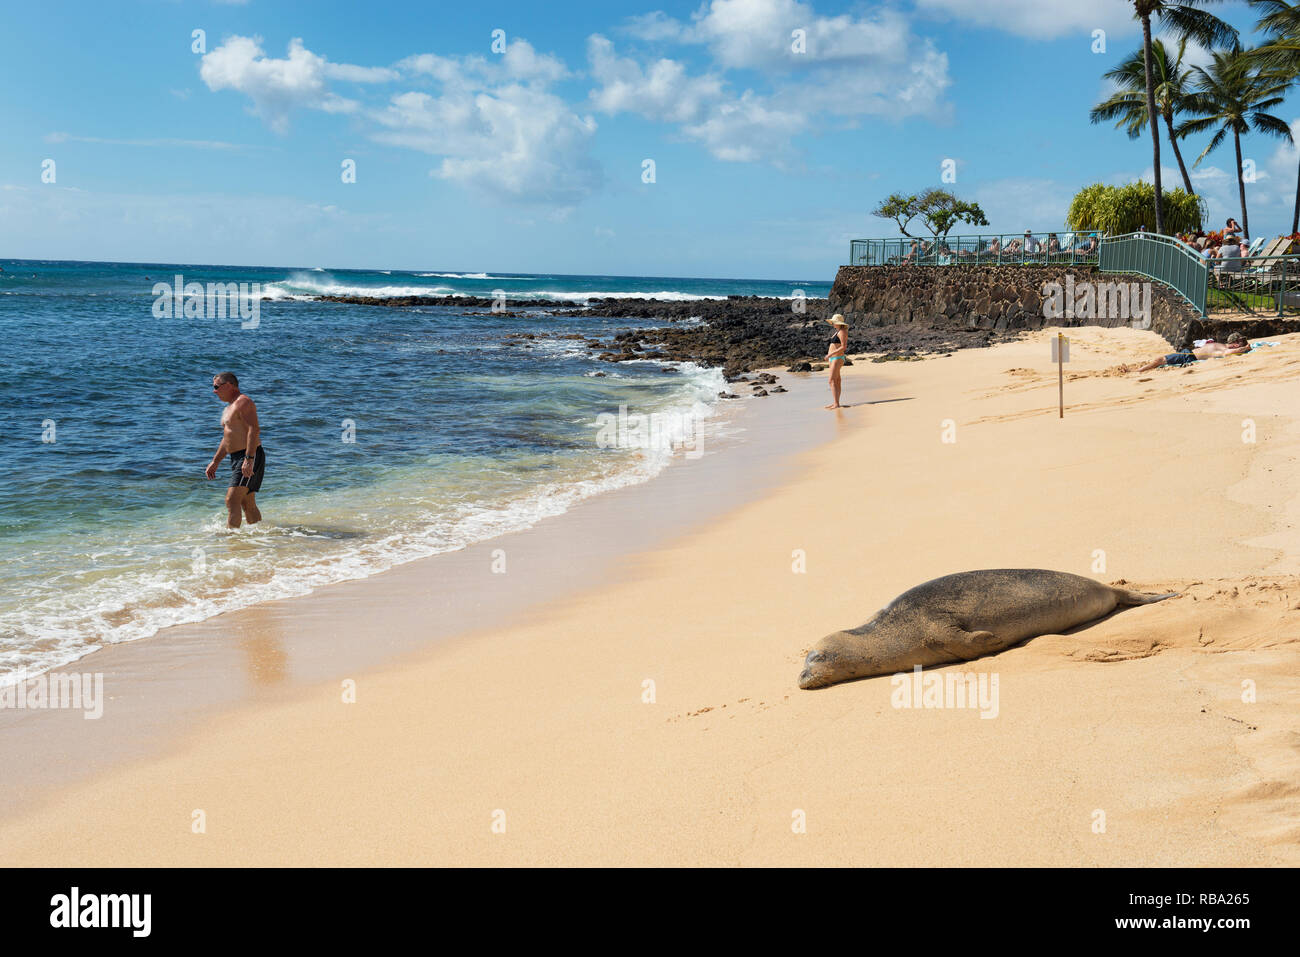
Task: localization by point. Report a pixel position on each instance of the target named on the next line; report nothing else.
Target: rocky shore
(740, 333)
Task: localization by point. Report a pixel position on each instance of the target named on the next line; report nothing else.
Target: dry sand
(1130, 742)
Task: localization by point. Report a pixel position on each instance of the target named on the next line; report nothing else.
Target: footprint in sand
(760, 706)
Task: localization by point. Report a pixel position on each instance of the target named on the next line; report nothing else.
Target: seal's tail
(1127, 597)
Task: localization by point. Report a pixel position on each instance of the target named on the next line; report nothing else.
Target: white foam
(115, 609)
(303, 285)
(458, 275)
(298, 287)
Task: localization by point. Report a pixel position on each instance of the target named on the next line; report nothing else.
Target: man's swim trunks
(251, 482)
(1174, 359)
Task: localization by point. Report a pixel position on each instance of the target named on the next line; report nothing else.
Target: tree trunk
(1178, 155)
(1151, 118)
(1241, 184)
(1295, 218)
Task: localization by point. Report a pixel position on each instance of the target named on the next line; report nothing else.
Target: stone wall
(988, 297)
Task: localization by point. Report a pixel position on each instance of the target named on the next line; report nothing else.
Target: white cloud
(655, 26)
(510, 140)
(747, 129)
(741, 129)
(1040, 19)
(494, 122)
(277, 87)
(844, 67)
(661, 90)
(519, 62)
(760, 34)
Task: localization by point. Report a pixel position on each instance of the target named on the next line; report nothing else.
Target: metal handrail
(1165, 259)
(1200, 281)
(1259, 283)
(1042, 247)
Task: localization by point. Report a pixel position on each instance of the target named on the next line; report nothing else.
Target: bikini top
(835, 339)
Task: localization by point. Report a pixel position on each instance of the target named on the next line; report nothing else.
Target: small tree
(941, 211)
(901, 209)
(938, 208)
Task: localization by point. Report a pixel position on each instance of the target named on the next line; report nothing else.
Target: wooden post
(1060, 376)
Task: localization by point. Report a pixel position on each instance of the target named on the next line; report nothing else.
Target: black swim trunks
(251, 482)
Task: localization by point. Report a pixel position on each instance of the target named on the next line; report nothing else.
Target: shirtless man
(1235, 346)
(240, 435)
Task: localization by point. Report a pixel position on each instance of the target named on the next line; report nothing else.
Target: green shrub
(1123, 209)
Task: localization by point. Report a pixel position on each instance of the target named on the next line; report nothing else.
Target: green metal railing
(1031, 248)
(1162, 258)
(1255, 285)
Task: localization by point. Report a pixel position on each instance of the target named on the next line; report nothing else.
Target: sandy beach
(655, 719)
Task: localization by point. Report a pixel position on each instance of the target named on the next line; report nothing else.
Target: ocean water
(390, 434)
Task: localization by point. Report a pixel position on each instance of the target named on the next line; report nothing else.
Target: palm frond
(1219, 136)
(1187, 21)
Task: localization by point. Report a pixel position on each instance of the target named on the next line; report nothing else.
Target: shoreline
(1139, 716)
(162, 685)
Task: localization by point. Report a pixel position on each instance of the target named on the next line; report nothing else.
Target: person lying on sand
(1235, 346)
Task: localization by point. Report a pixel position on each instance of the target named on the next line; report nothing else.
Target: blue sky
(530, 158)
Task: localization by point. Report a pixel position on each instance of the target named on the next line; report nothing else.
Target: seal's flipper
(1126, 597)
(968, 645)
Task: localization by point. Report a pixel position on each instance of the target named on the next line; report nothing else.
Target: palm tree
(1128, 105)
(1233, 96)
(1186, 22)
(1280, 54)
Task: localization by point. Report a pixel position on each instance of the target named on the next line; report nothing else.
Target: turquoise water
(390, 434)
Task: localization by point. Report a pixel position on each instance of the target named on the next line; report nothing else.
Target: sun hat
(838, 320)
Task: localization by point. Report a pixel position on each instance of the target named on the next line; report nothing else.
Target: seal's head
(837, 657)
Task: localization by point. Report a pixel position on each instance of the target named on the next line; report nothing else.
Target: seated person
(1013, 248)
(1053, 244)
(1235, 346)
(1230, 254)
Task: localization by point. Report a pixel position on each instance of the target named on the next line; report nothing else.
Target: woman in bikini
(839, 346)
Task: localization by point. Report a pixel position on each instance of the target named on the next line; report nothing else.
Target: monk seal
(961, 617)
